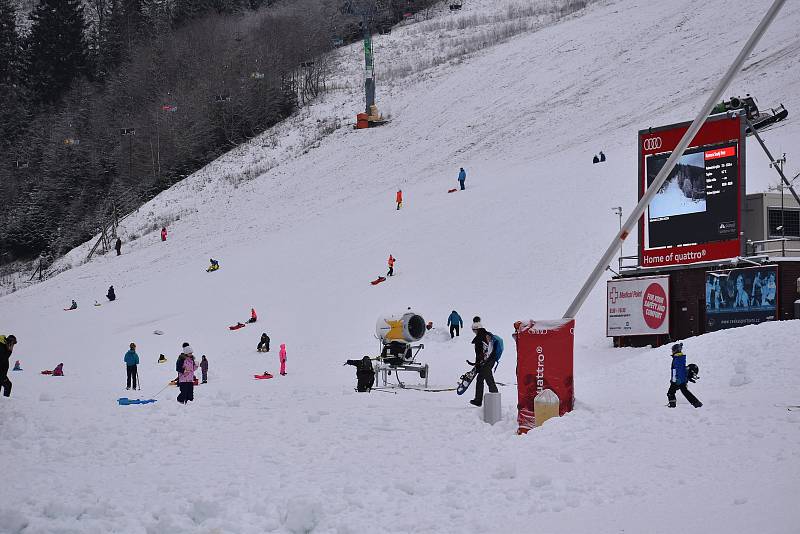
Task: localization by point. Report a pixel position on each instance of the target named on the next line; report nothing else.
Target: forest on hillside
(108, 102)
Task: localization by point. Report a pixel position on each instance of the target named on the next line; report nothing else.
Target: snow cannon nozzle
(408, 327)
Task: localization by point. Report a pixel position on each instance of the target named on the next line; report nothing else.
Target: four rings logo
(653, 143)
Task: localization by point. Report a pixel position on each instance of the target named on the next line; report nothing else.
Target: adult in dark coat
(111, 295)
(364, 373)
(7, 344)
(118, 246)
(263, 344)
(484, 360)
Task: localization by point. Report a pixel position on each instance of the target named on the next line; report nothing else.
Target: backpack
(497, 341)
(179, 363)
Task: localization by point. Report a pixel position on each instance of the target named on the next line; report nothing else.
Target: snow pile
(303, 218)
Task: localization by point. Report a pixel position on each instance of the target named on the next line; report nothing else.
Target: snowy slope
(301, 221)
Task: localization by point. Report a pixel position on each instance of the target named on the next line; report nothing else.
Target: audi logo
(653, 143)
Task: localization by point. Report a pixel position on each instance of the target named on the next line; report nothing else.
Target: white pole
(673, 159)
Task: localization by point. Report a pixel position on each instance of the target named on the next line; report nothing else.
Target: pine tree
(12, 110)
(57, 50)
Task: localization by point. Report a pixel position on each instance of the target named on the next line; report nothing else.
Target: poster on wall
(738, 297)
(637, 306)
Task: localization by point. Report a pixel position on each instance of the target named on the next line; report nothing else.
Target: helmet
(677, 347)
(692, 372)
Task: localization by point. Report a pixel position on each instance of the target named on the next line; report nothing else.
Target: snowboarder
(282, 355)
(455, 323)
(186, 377)
(364, 373)
(7, 344)
(131, 361)
(399, 198)
(602, 157)
(462, 175)
(111, 295)
(214, 265)
(263, 344)
(595, 159)
(118, 246)
(17, 366)
(73, 306)
(390, 262)
(204, 369)
(163, 234)
(253, 316)
(679, 378)
(484, 360)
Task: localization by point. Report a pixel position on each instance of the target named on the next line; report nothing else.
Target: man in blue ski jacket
(462, 175)
(679, 379)
(131, 361)
(455, 323)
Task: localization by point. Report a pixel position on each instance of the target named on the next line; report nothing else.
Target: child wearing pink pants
(283, 359)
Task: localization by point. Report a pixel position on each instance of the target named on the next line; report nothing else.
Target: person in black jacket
(484, 359)
(7, 344)
(364, 373)
(118, 246)
(263, 345)
(111, 295)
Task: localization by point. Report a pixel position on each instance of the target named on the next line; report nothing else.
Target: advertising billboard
(696, 214)
(738, 297)
(637, 306)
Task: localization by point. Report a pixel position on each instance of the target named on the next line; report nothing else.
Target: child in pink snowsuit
(283, 359)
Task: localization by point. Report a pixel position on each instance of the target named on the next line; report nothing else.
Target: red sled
(452, 190)
(236, 326)
(378, 280)
(262, 377)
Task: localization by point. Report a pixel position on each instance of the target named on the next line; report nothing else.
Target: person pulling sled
(365, 374)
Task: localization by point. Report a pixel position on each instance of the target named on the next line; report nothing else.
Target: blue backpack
(498, 349)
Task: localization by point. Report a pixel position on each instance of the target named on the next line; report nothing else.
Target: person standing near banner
(484, 360)
(679, 378)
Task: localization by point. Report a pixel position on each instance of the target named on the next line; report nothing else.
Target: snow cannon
(406, 328)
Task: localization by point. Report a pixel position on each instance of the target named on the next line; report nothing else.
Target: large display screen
(738, 297)
(696, 214)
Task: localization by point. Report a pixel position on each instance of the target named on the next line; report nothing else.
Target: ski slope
(303, 217)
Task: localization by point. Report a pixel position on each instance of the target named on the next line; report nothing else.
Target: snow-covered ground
(303, 217)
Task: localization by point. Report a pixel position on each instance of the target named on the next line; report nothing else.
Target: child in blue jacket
(131, 361)
(679, 379)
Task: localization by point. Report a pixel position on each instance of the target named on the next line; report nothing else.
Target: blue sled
(124, 401)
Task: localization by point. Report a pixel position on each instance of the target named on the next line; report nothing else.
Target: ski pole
(138, 382)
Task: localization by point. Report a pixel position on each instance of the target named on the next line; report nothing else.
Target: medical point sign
(637, 306)
(696, 215)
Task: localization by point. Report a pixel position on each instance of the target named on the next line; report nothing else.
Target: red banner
(544, 361)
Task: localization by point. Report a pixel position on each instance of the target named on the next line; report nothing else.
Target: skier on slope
(484, 360)
(679, 378)
(364, 373)
(455, 323)
(131, 360)
(462, 175)
(7, 344)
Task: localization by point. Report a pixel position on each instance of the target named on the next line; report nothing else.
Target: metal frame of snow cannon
(759, 119)
(397, 335)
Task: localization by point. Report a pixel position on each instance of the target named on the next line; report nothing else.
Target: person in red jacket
(253, 316)
(399, 198)
(163, 234)
(391, 265)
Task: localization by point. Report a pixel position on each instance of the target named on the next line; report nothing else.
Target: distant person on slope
(73, 306)
(484, 360)
(455, 323)
(214, 265)
(364, 373)
(111, 295)
(462, 175)
(390, 262)
(118, 246)
(164, 234)
(204, 369)
(602, 157)
(253, 316)
(186, 378)
(263, 344)
(7, 344)
(679, 378)
(131, 361)
(282, 355)
(399, 198)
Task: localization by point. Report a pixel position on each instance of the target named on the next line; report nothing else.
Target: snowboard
(378, 280)
(465, 380)
(236, 326)
(262, 377)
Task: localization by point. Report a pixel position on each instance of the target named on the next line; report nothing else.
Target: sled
(158, 332)
(70, 309)
(452, 190)
(465, 380)
(262, 350)
(262, 377)
(125, 401)
(174, 382)
(378, 280)
(236, 326)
